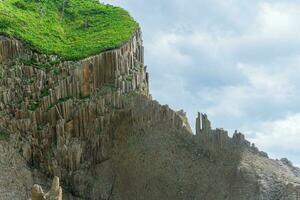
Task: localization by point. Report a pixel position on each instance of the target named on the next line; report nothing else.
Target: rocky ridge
(93, 124)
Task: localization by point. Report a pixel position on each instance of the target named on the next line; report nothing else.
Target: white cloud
(260, 85)
(165, 45)
(279, 19)
(282, 133)
(238, 60)
(268, 81)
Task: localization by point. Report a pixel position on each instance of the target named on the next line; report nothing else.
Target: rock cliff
(93, 123)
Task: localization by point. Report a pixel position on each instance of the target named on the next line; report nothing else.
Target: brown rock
(37, 193)
(55, 192)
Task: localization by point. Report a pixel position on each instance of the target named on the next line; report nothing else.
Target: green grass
(50, 153)
(45, 92)
(33, 105)
(72, 30)
(4, 136)
(61, 100)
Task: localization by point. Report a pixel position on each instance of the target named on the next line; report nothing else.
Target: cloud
(280, 137)
(281, 133)
(165, 46)
(268, 81)
(279, 19)
(238, 61)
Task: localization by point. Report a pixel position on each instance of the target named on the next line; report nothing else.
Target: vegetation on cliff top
(71, 29)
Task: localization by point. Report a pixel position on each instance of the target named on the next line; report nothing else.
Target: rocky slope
(93, 124)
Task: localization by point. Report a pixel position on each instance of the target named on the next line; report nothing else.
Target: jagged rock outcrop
(93, 124)
(55, 192)
(257, 176)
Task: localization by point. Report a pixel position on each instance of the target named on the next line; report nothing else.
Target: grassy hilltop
(71, 29)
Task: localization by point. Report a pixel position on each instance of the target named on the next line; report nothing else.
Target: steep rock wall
(93, 124)
(65, 111)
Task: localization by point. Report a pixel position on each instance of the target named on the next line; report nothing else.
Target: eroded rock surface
(15, 175)
(55, 192)
(93, 124)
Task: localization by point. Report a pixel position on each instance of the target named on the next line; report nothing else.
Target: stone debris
(55, 192)
(37, 193)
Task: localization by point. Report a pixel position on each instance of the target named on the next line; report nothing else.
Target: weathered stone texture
(93, 124)
(9, 48)
(67, 112)
(55, 192)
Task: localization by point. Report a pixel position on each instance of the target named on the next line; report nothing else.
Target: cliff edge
(91, 122)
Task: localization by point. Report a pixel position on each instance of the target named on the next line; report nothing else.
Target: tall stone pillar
(202, 124)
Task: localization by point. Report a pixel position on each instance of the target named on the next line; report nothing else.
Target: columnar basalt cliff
(93, 124)
(66, 112)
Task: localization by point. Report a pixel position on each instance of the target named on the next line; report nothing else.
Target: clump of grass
(45, 92)
(61, 100)
(4, 25)
(20, 5)
(71, 29)
(45, 65)
(33, 105)
(82, 97)
(4, 136)
(64, 99)
(50, 153)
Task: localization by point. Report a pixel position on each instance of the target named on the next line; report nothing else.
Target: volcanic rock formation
(93, 124)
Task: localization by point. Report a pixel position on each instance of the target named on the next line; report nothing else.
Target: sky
(236, 60)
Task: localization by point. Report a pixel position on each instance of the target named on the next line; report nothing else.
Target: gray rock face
(176, 165)
(93, 124)
(273, 179)
(15, 176)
